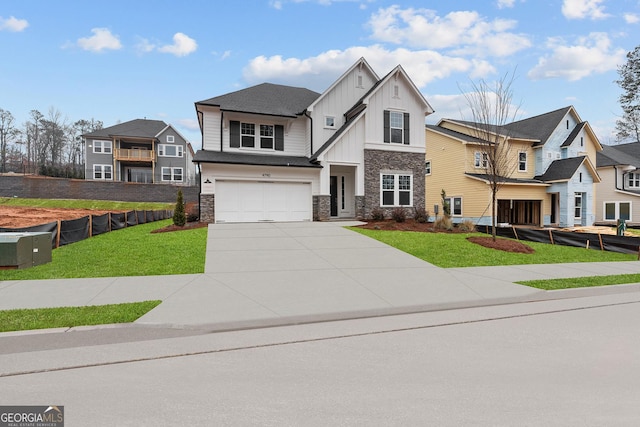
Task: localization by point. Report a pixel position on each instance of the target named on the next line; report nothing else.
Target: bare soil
(17, 217)
(187, 226)
(500, 244)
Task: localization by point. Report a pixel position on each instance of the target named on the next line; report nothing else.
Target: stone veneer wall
(376, 161)
(360, 207)
(321, 208)
(207, 208)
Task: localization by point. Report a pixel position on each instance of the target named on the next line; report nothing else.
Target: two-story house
(281, 153)
(551, 180)
(619, 191)
(146, 151)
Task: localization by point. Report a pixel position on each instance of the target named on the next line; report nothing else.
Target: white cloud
(191, 124)
(465, 31)
(145, 46)
(13, 24)
(318, 72)
(592, 54)
(505, 3)
(182, 45)
(581, 9)
(631, 18)
(100, 40)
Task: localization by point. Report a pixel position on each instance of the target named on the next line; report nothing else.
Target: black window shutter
(387, 126)
(279, 129)
(406, 128)
(235, 133)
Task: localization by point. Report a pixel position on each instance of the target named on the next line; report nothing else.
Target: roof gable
(565, 169)
(141, 128)
(266, 98)
(625, 154)
(540, 127)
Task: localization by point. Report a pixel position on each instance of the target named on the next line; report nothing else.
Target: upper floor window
(170, 150)
(170, 139)
(102, 147)
(427, 167)
(244, 135)
(633, 179)
(480, 160)
(522, 161)
(396, 127)
(330, 122)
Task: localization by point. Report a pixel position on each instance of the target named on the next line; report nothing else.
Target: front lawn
(132, 251)
(582, 282)
(449, 250)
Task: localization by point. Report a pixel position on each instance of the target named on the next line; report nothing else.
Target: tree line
(48, 145)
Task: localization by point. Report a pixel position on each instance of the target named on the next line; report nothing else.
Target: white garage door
(250, 201)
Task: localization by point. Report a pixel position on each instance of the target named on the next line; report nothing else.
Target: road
(554, 363)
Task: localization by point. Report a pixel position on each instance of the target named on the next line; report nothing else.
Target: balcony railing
(134, 155)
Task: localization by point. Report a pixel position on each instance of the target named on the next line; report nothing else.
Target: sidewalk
(259, 275)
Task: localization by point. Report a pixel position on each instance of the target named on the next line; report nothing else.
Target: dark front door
(333, 189)
(554, 203)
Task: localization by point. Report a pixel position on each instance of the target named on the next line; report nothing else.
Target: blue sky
(120, 60)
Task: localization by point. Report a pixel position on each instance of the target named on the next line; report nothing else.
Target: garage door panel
(251, 201)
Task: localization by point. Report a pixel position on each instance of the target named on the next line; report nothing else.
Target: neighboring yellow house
(551, 175)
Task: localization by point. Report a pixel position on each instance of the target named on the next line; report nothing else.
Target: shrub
(179, 217)
(191, 210)
(398, 215)
(467, 226)
(377, 214)
(420, 215)
(443, 223)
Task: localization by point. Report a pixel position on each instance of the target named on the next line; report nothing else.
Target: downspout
(615, 168)
(221, 133)
(199, 192)
(306, 113)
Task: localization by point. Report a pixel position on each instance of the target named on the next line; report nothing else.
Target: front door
(333, 190)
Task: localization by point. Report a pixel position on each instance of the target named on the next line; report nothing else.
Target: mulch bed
(187, 226)
(500, 244)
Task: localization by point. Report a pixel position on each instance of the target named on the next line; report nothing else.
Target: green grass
(84, 204)
(67, 317)
(454, 250)
(132, 251)
(582, 282)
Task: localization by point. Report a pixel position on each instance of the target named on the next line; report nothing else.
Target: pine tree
(628, 127)
(179, 217)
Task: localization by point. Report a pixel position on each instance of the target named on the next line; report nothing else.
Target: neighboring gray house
(618, 195)
(145, 151)
(282, 153)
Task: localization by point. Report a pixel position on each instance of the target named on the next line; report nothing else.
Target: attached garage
(256, 201)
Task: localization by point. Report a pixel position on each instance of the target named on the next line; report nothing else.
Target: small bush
(377, 214)
(420, 215)
(467, 226)
(179, 217)
(443, 223)
(399, 215)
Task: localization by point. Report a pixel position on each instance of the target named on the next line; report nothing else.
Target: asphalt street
(571, 362)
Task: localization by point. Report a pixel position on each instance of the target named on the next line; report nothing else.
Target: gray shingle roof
(142, 128)
(561, 170)
(206, 156)
(574, 133)
(539, 127)
(624, 154)
(506, 180)
(454, 134)
(266, 98)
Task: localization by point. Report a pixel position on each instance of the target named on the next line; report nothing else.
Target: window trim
(578, 196)
(162, 152)
(103, 145)
(633, 180)
(102, 171)
(172, 173)
(452, 203)
(170, 139)
(616, 210)
(427, 167)
(405, 131)
(396, 188)
(480, 160)
(236, 136)
(330, 126)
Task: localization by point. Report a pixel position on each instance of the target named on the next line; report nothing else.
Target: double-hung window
(522, 161)
(102, 147)
(266, 136)
(480, 160)
(396, 127)
(248, 134)
(243, 135)
(102, 172)
(172, 174)
(633, 179)
(396, 189)
(165, 150)
(577, 206)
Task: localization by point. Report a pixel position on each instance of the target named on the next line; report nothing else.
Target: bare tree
(491, 109)
(7, 132)
(628, 126)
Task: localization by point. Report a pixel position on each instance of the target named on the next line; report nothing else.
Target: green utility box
(24, 250)
(621, 227)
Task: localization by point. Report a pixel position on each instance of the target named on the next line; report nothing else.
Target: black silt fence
(605, 242)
